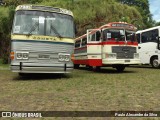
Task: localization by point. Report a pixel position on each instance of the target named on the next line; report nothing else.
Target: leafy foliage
(143, 7)
(17, 2)
(94, 13)
(5, 28)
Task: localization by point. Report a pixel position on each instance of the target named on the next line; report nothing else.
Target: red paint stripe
(119, 43)
(94, 43)
(90, 62)
(114, 43)
(81, 62)
(95, 62)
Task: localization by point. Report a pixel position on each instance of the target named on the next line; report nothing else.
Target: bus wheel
(154, 62)
(120, 68)
(76, 66)
(89, 67)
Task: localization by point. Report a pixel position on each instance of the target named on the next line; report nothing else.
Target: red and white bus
(113, 44)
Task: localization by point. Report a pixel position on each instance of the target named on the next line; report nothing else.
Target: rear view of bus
(42, 40)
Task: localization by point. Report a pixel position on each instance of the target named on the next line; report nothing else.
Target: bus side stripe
(55, 42)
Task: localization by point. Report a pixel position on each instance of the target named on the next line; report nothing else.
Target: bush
(5, 29)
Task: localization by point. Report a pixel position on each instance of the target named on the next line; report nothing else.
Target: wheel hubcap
(155, 63)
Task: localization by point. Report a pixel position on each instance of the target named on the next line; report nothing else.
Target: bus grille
(42, 48)
(124, 52)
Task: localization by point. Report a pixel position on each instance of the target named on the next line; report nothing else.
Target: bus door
(94, 47)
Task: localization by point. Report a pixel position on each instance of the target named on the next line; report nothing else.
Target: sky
(155, 9)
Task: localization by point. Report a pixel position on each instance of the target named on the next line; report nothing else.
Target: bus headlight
(64, 57)
(22, 55)
(67, 58)
(136, 55)
(61, 57)
(25, 55)
(19, 56)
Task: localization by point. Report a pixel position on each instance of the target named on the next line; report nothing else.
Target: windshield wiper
(33, 28)
(55, 31)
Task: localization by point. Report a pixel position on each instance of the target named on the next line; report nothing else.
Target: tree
(143, 7)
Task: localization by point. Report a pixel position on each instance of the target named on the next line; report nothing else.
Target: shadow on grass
(107, 70)
(142, 66)
(31, 76)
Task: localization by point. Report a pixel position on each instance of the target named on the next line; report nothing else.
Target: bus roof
(119, 25)
(44, 8)
(140, 31)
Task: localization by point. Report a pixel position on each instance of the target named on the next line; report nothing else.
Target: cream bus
(113, 44)
(42, 40)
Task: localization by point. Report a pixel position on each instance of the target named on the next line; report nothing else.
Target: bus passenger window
(93, 37)
(154, 35)
(150, 36)
(84, 41)
(144, 37)
(77, 44)
(98, 36)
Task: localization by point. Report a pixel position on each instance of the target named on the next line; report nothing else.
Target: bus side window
(150, 36)
(98, 35)
(93, 37)
(84, 41)
(138, 37)
(154, 35)
(144, 37)
(77, 43)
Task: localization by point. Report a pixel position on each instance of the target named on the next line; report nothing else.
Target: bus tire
(90, 68)
(154, 62)
(120, 68)
(76, 66)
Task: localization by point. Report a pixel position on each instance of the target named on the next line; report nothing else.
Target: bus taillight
(72, 57)
(12, 55)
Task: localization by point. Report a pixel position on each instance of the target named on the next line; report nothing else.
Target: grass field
(137, 88)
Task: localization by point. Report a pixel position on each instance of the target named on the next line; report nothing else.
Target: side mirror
(157, 38)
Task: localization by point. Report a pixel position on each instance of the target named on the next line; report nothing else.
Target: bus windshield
(43, 23)
(118, 35)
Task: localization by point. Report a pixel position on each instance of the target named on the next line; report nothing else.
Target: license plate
(43, 56)
(127, 60)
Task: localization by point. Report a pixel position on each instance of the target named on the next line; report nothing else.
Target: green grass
(137, 88)
(3, 66)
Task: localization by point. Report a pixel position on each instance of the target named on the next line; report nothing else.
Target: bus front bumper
(121, 61)
(24, 67)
